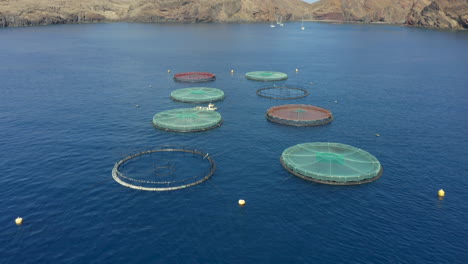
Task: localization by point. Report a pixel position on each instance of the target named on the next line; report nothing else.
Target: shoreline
(327, 21)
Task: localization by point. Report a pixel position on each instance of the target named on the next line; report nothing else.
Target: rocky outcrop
(428, 13)
(441, 14)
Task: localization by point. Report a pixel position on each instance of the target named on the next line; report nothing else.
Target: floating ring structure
(299, 115)
(187, 120)
(165, 168)
(194, 77)
(266, 76)
(282, 92)
(197, 95)
(331, 163)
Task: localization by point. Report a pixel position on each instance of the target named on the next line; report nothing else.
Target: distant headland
(450, 14)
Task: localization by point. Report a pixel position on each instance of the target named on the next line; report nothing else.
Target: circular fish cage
(331, 163)
(197, 95)
(299, 115)
(164, 168)
(282, 92)
(187, 120)
(194, 77)
(266, 76)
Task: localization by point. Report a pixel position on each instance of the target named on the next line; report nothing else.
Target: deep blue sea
(68, 97)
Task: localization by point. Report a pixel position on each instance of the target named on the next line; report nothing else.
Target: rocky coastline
(448, 14)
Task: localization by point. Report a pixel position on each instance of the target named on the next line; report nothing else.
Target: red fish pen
(194, 77)
(299, 115)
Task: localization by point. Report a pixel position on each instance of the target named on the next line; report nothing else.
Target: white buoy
(241, 202)
(137, 106)
(19, 221)
(377, 135)
(336, 102)
(297, 70)
(168, 71)
(232, 71)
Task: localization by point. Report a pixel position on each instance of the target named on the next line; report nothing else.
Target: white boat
(272, 26)
(302, 25)
(279, 20)
(210, 107)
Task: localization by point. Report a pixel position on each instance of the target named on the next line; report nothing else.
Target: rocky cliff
(430, 13)
(441, 14)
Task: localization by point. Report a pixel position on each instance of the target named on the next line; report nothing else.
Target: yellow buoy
(441, 193)
(241, 202)
(232, 71)
(19, 221)
(168, 71)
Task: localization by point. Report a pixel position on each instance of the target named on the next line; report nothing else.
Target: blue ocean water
(67, 114)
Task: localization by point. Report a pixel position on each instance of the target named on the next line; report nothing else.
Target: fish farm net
(331, 163)
(194, 77)
(164, 168)
(299, 115)
(197, 95)
(187, 120)
(282, 92)
(266, 76)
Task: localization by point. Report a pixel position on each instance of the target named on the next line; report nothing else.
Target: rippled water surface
(67, 114)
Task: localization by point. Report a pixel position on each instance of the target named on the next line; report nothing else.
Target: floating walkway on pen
(299, 115)
(331, 163)
(266, 76)
(197, 95)
(164, 168)
(194, 77)
(187, 120)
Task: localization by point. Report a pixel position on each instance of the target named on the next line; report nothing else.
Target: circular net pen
(282, 92)
(165, 168)
(299, 115)
(197, 95)
(187, 120)
(266, 76)
(331, 163)
(194, 77)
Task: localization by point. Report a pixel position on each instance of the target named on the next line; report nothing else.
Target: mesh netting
(194, 77)
(266, 76)
(282, 92)
(331, 163)
(299, 115)
(187, 120)
(197, 95)
(163, 169)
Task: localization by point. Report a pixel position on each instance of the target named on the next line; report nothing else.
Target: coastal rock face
(428, 13)
(441, 14)
(43, 12)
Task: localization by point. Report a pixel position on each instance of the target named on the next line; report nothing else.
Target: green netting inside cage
(331, 163)
(266, 76)
(197, 95)
(187, 120)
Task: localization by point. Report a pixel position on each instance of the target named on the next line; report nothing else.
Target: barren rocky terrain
(427, 13)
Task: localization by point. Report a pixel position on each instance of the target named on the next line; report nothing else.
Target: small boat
(210, 107)
(302, 25)
(279, 21)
